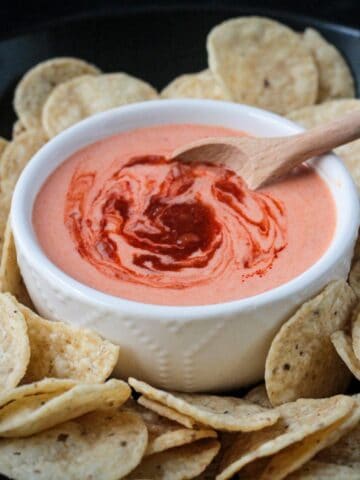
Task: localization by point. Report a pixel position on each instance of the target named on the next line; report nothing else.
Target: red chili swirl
(167, 224)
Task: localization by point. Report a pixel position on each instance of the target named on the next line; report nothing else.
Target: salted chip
(37, 84)
(292, 458)
(3, 144)
(16, 155)
(195, 85)
(101, 445)
(343, 345)
(335, 78)
(355, 331)
(221, 413)
(302, 362)
(31, 414)
(261, 62)
(179, 463)
(84, 96)
(60, 350)
(165, 434)
(14, 343)
(10, 277)
(18, 128)
(259, 396)
(347, 450)
(315, 470)
(167, 412)
(316, 115)
(297, 421)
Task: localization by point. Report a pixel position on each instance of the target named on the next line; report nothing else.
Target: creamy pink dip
(119, 217)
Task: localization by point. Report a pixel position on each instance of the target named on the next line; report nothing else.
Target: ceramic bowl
(202, 348)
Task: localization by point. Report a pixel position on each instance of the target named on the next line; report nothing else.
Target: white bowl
(201, 348)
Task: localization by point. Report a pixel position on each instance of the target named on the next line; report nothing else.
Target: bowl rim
(25, 237)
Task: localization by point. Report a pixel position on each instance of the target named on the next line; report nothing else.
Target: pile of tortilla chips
(62, 416)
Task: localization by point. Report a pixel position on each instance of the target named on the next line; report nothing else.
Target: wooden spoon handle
(322, 139)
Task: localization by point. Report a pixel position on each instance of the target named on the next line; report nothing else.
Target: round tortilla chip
(34, 413)
(166, 412)
(165, 434)
(14, 343)
(316, 115)
(60, 350)
(195, 85)
(259, 396)
(302, 362)
(347, 450)
(16, 155)
(220, 413)
(179, 463)
(335, 78)
(298, 420)
(343, 345)
(261, 62)
(100, 445)
(315, 470)
(294, 457)
(10, 277)
(84, 96)
(37, 84)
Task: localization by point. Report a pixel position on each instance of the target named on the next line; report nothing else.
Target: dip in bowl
(186, 269)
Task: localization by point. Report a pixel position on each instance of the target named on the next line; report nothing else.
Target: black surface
(150, 40)
(154, 45)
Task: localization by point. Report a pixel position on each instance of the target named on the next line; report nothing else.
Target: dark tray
(156, 45)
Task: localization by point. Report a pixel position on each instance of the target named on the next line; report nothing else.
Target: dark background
(15, 16)
(153, 40)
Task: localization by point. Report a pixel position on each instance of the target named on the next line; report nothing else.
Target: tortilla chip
(167, 412)
(292, 458)
(165, 434)
(220, 413)
(10, 277)
(84, 96)
(60, 350)
(302, 356)
(37, 84)
(179, 463)
(335, 78)
(298, 420)
(47, 386)
(261, 62)
(347, 450)
(316, 115)
(34, 413)
(325, 471)
(14, 343)
(13, 160)
(343, 345)
(355, 331)
(3, 144)
(100, 445)
(195, 85)
(259, 396)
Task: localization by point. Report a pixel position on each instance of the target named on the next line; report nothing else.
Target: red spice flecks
(170, 224)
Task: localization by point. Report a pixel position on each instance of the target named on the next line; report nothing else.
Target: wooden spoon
(260, 161)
